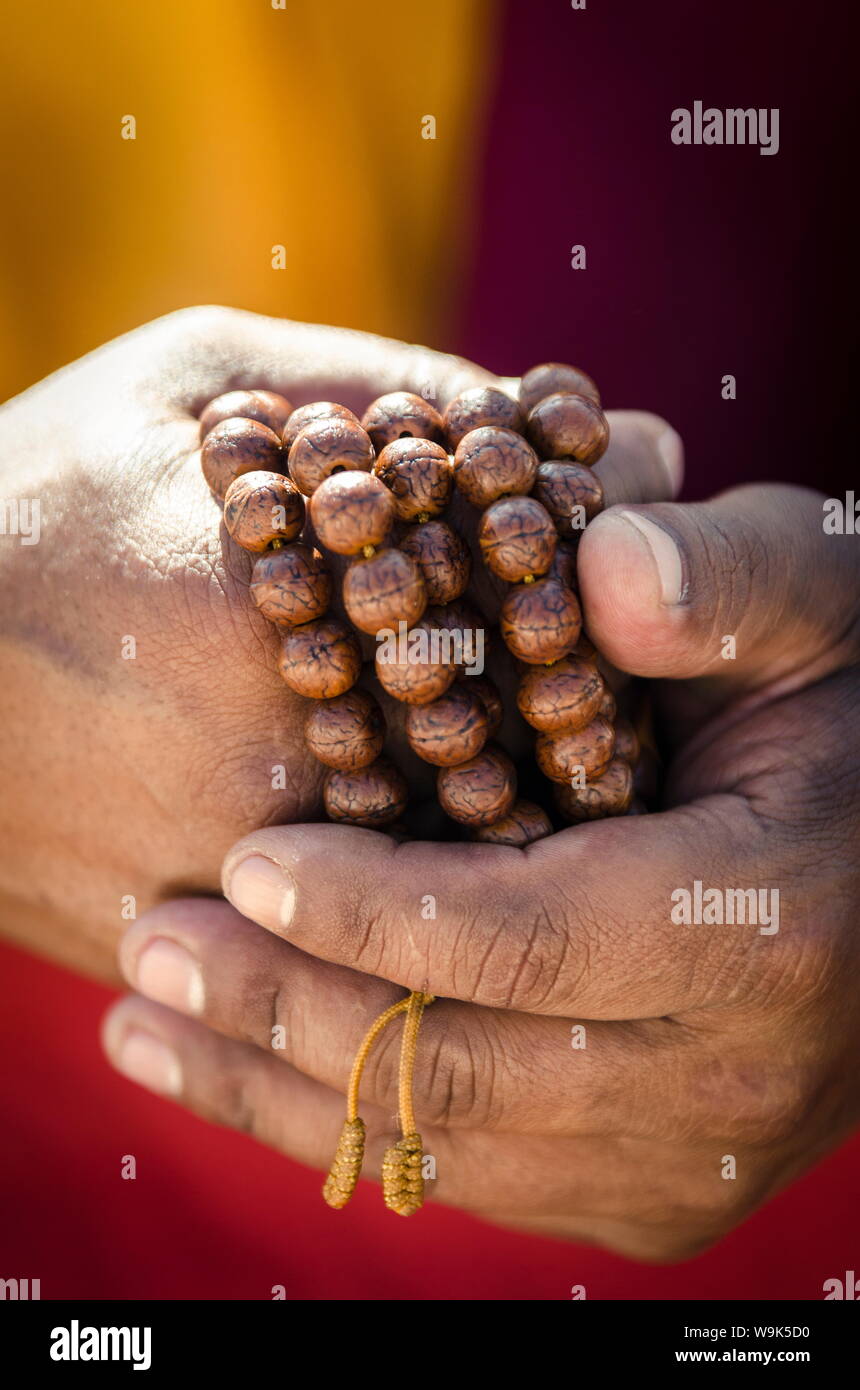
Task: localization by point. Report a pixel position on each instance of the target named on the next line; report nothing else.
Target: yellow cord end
(402, 1179)
(346, 1167)
(368, 551)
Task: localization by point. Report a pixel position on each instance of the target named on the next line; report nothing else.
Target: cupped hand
(595, 1066)
(143, 723)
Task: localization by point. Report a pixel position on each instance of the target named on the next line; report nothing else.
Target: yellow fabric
(256, 127)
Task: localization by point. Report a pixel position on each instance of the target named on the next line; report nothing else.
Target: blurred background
(300, 128)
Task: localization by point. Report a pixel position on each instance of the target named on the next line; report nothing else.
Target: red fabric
(213, 1215)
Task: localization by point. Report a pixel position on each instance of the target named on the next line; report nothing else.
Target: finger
(480, 1067)
(578, 924)
(207, 351)
(746, 590)
(644, 461)
(235, 1085)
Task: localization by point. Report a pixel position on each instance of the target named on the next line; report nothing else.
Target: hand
(719, 1060)
(128, 777)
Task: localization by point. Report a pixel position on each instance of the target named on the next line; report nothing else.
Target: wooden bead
(308, 414)
(419, 476)
(265, 406)
(576, 753)
(331, 444)
(399, 415)
(383, 591)
(350, 511)
(626, 742)
(413, 666)
(523, 824)
(568, 426)
(263, 507)
(236, 446)
(490, 699)
(608, 707)
(611, 794)
(320, 660)
(480, 791)
(549, 378)
(571, 493)
(491, 463)
(517, 537)
(449, 730)
(540, 622)
(482, 405)
(372, 796)
(347, 732)
(566, 695)
(468, 629)
(292, 585)
(442, 557)
(563, 565)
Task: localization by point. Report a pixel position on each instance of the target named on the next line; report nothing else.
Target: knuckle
(512, 956)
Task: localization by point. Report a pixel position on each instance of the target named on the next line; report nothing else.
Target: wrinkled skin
(701, 1041)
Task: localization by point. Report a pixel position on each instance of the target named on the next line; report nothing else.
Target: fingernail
(169, 974)
(150, 1062)
(670, 447)
(664, 553)
(262, 890)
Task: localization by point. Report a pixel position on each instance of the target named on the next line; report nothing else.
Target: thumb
(745, 589)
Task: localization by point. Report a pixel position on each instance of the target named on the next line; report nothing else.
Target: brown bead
(549, 378)
(492, 463)
(468, 629)
(610, 794)
(350, 511)
(608, 707)
(347, 732)
(328, 445)
(566, 695)
(540, 622)
(383, 591)
(442, 557)
(263, 507)
(490, 699)
(563, 566)
(291, 585)
(265, 406)
(480, 791)
(419, 475)
(571, 493)
(517, 537)
(372, 796)
(568, 426)
(523, 824)
(626, 742)
(320, 660)
(307, 415)
(414, 666)
(482, 405)
(399, 415)
(236, 446)
(449, 730)
(576, 753)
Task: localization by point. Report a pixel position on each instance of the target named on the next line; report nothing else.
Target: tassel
(346, 1166)
(402, 1180)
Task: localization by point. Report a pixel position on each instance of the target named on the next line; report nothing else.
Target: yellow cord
(402, 1180)
(409, 1046)
(363, 1053)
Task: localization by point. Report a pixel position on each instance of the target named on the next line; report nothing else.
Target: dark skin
(702, 1042)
